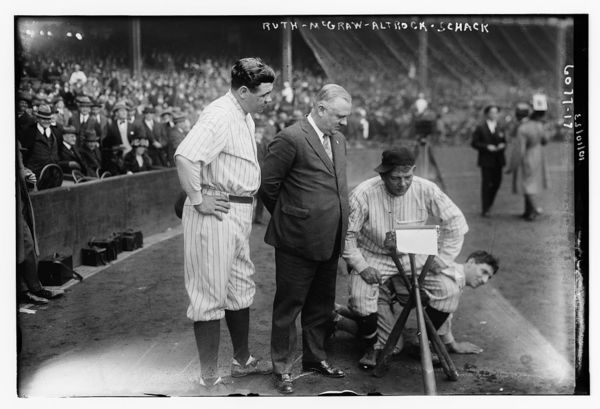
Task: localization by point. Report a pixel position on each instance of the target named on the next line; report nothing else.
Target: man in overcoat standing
(304, 188)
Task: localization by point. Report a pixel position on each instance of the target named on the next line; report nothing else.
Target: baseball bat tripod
(425, 326)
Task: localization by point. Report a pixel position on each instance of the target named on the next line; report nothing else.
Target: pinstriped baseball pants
(217, 267)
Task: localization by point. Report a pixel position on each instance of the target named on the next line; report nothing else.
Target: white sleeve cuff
(195, 198)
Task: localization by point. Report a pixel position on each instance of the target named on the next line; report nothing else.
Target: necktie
(327, 146)
(84, 119)
(48, 132)
(121, 121)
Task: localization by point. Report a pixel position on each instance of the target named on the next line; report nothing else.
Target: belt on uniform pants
(232, 198)
(241, 199)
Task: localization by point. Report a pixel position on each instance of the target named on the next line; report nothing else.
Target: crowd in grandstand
(135, 123)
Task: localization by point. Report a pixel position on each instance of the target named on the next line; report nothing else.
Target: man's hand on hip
(371, 275)
(213, 205)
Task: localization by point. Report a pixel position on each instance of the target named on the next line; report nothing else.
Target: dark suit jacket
(305, 193)
(132, 165)
(113, 136)
(103, 123)
(92, 160)
(24, 209)
(81, 128)
(40, 150)
(67, 155)
(482, 137)
(156, 134)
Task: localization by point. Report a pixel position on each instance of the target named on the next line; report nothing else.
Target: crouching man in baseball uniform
(218, 169)
(385, 203)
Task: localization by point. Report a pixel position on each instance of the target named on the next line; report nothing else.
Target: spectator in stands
(120, 130)
(63, 115)
(100, 117)
(152, 131)
(78, 77)
(90, 153)
(40, 141)
(82, 119)
(69, 156)
(30, 290)
(132, 114)
(137, 160)
(198, 107)
(24, 117)
(181, 127)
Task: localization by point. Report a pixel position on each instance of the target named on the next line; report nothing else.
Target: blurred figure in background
(137, 160)
(489, 140)
(528, 162)
(30, 290)
(68, 152)
(40, 141)
(424, 124)
(90, 153)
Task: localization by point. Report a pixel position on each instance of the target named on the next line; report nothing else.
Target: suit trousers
(491, 177)
(307, 287)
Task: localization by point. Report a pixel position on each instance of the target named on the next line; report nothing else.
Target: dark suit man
(152, 131)
(120, 131)
(40, 142)
(82, 119)
(304, 188)
(118, 139)
(68, 152)
(100, 117)
(24, 119)
(489, 140)
(90, 152)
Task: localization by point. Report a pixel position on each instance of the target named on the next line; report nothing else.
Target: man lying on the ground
(393, 295)
(381, 204)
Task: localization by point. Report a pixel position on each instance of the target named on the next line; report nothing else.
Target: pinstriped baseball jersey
(373, 212)
(221, 159)
(222, 146)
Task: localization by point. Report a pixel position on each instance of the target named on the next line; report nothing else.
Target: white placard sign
(417, 240)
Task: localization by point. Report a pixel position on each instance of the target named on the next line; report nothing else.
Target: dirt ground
(123, 331)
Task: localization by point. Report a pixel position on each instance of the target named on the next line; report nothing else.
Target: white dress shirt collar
(315, 127)
(44, 131)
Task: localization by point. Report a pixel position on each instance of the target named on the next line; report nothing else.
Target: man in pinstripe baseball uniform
(218, 169)
(385, 203)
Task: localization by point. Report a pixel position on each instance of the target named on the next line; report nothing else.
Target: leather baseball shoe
(324, 368)
(252, 366)
(30, 298)
(48, 294)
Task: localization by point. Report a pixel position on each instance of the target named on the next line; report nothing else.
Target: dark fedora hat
(44, 112)
(84, 101)
(90, 136)
(167, 111)
(178, 117)
(393, 157)
(69, 130)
